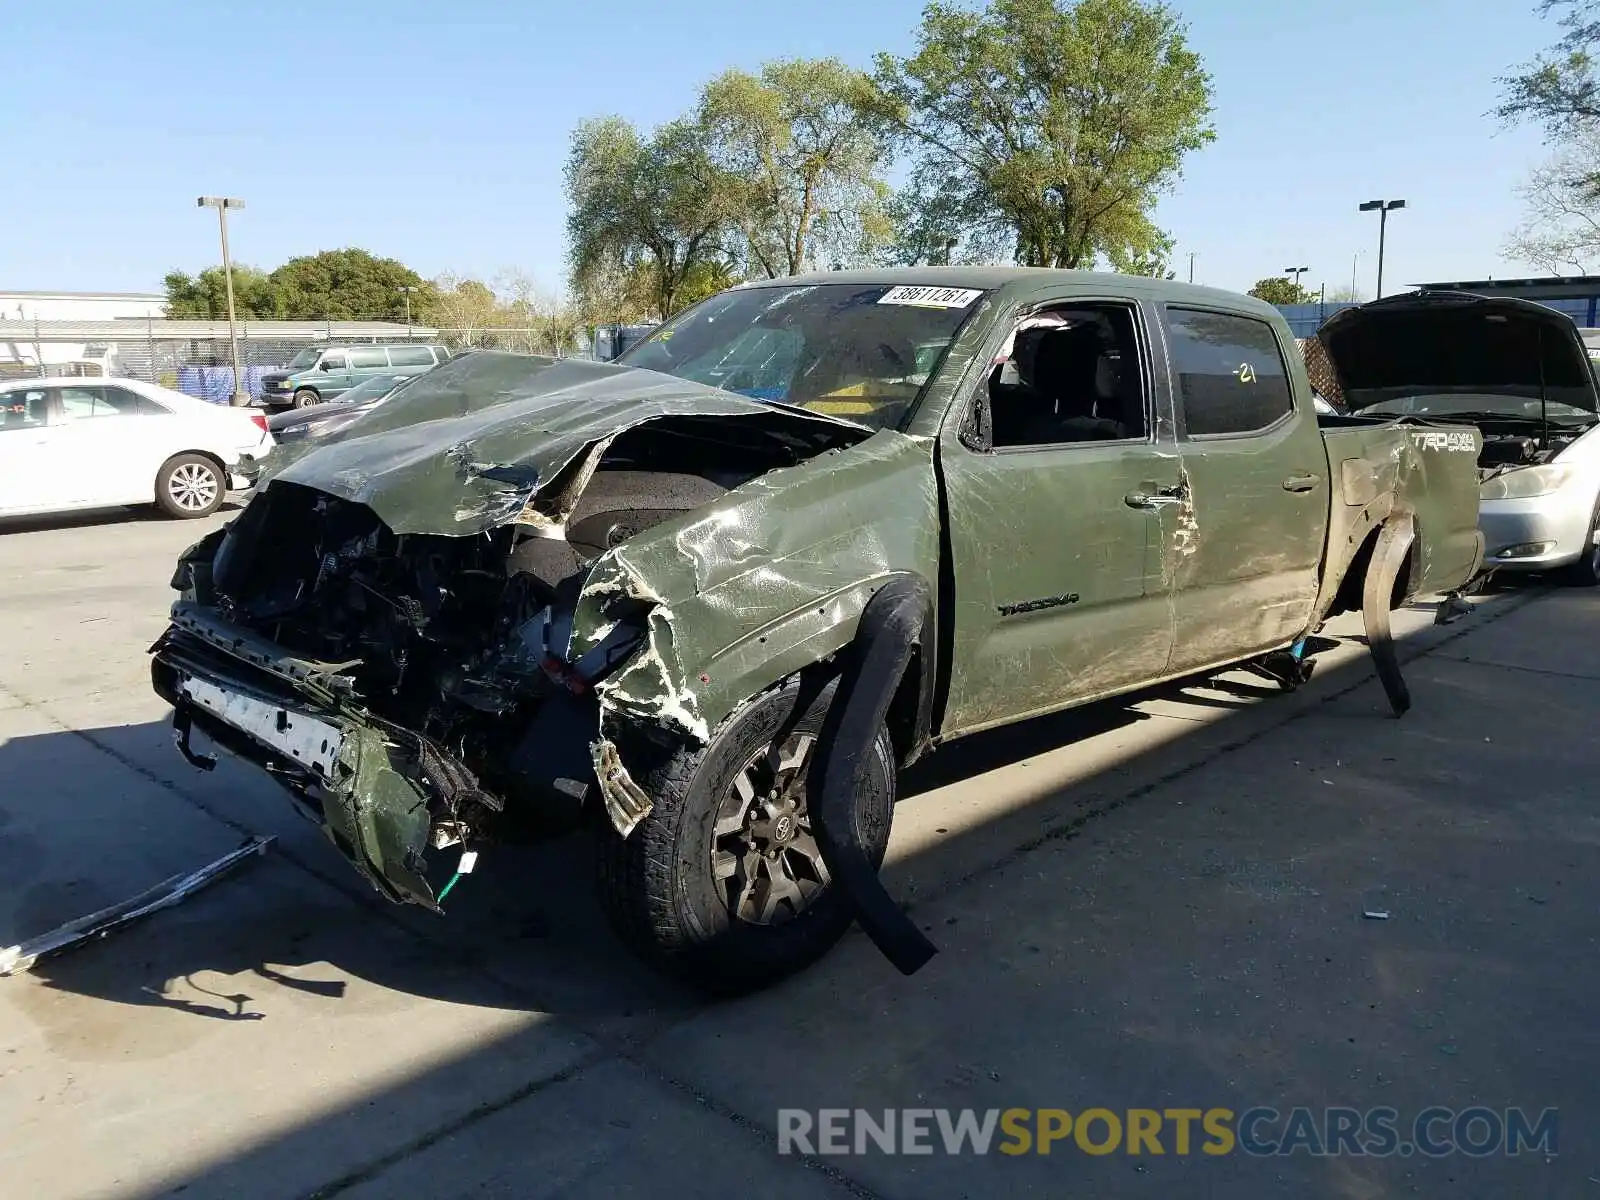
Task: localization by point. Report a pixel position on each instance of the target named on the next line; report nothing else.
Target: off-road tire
(656, 884)
(305, 398)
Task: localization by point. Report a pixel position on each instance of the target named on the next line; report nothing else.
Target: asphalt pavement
(1211, 897)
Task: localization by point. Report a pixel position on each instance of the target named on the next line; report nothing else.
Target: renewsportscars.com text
(1375, 1132)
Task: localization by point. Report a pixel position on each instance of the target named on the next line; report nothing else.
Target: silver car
(1520, 372)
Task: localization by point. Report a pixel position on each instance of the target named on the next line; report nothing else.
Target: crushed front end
(411, 630)
(390, 682)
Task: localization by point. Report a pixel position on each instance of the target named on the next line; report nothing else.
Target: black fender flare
(891, 627)
(1389, 556)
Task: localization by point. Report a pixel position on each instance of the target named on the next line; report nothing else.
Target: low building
(1576, 295)
(79, 306)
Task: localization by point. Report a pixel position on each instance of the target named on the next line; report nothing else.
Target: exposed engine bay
(1515, 446)
(430, 629)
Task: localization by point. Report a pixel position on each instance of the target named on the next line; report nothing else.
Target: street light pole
(1191, 266)
(406, 292)
(1296, 272)
(1382, 208)
(222, 204)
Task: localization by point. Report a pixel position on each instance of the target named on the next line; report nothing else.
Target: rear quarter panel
(1430, 471)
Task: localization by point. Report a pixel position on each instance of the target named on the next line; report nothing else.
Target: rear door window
(410, 356)
(120, 402)
(78, 402)
(369, 359)
(1230, 372)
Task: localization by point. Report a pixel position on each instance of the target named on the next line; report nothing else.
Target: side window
(24, 408)
(410, 356)
(120, 402)
(366, 360)
(1230, 371)
(1069, 375)
(334, 362)
(77, 403)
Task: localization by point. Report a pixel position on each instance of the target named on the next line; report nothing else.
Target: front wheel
(723, 883)
(1586, 571)
(190, 485)
(305, 398)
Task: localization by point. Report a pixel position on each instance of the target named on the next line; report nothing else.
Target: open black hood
(1446, 344)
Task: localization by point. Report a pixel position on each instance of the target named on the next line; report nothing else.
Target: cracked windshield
(859, 352)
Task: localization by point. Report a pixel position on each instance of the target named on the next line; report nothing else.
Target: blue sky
(436, 133)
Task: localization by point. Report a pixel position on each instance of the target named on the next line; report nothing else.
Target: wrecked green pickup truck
(713, 597)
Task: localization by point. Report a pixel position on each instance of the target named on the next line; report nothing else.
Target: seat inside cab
(1069, 376)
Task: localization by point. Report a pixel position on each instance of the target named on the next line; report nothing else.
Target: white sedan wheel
(190, 486)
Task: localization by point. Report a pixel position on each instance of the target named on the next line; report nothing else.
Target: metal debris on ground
(14, 959)
(1372, 915)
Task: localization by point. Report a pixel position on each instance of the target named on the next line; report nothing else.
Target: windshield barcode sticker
(931, 297)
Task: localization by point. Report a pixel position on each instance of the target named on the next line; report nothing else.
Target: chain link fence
(196, 356)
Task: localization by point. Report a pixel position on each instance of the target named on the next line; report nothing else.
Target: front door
(333, 373)
(1057, 519)
(1256, 488)
(30, 467)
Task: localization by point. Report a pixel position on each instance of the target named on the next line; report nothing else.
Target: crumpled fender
(772, 578)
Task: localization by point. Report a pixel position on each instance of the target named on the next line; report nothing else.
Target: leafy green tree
(800, 140)
(206, 295)
(1559, 89)
(1151, 257)
(1044, 130)
(539, 321)
(610, 292)
(348, 284)
(659, 201)
(1275, 289)
(462, 309)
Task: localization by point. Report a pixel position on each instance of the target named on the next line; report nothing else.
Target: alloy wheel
(764, 853)
(193, 487)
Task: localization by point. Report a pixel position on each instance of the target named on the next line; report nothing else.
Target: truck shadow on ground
(141, 514)
(1177, 951)
(524, 931)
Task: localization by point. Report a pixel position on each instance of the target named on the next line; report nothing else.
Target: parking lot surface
(1159, 902)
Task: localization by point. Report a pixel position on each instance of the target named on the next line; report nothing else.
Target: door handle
(1150, 496)
(1301, 483)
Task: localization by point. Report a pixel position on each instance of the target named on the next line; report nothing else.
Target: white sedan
(95, 443)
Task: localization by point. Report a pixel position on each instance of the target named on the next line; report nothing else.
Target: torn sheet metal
(14, 959)
(461, 450)
(1385, 467)
(626, 802)
(770, 578)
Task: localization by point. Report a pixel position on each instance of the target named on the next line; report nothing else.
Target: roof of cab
(1023, 281)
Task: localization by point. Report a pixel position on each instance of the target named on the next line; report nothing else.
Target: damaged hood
(1463, 352)
(467, 446)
